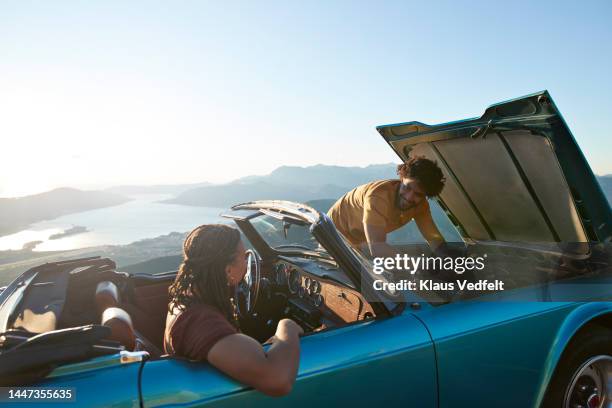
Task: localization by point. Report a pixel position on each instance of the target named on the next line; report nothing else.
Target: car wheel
(583, 378)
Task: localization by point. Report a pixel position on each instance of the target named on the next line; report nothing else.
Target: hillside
(300, 184)
(230, 194)
(154, 189)
(606, 185)
(287, 183)
(321, 174)
(18, 213)
(150, 255)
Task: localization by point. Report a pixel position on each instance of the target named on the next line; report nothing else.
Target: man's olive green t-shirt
(375, 204)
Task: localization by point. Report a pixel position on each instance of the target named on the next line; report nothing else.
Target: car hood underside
(514, 174)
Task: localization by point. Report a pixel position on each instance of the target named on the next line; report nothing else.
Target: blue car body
(467, 353)
(457, 355)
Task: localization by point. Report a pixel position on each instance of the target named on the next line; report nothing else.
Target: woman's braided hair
(202, 278)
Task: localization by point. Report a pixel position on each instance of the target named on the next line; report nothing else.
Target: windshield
(285, 234)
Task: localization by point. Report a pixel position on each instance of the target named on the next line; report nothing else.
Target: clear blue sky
(106, 93)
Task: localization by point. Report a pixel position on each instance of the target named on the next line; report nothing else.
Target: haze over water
(142, 218)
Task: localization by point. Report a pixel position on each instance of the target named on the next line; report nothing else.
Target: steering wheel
(247, 290)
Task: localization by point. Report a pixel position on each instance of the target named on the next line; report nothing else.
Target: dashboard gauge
(307, 282)
(317, 300)
(315, 287)
(301, 291)
(294, 281)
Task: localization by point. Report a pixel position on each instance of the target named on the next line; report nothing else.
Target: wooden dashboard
(337, 303)
(347, 304)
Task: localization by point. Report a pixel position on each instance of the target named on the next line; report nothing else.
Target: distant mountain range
(287, 183)
(319, 184)
(321, 174)
(155, 189)
(606, 185)
(17, 213)
(300, 184)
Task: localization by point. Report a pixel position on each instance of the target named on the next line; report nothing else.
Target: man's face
(410, 194)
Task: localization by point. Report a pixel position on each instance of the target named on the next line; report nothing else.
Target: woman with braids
(202, 324)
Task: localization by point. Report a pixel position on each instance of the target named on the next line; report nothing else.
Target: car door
(497, 354)
(100, 382)
(367, 363)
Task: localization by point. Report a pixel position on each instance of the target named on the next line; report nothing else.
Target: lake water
(144, 217)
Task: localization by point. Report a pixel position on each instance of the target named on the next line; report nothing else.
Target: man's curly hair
(202, 279)
(426, 172)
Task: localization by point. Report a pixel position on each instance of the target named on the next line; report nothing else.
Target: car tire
(584, 370)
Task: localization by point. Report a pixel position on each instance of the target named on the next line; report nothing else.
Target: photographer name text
(428, 284)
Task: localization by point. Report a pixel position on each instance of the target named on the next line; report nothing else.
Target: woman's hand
(271, 372)
(321, 327)
(288, 329)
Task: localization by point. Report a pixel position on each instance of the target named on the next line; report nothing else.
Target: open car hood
(514, 174)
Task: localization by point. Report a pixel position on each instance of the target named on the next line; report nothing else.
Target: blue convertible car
(518, 191)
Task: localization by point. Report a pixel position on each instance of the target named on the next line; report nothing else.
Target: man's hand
(428, 229)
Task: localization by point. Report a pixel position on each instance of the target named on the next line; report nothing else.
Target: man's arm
(377, 241)
(244, 359)
(374, 220)
(428, 228)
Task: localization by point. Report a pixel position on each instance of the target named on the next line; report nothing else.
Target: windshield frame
(325, 233)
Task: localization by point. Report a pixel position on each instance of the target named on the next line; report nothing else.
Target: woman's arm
(244, 359)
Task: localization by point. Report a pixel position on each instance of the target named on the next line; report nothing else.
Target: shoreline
(15, 262)
(75, 230)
